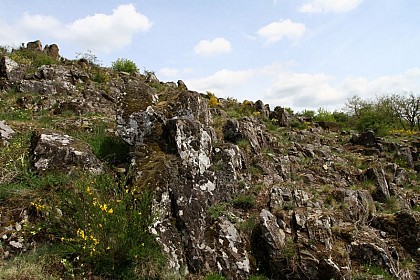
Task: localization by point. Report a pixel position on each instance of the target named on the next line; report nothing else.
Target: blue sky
(303, 54)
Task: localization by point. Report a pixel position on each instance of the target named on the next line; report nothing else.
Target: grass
(369, 271)
(28, 266)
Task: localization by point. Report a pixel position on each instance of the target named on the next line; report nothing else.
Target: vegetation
(124, 65)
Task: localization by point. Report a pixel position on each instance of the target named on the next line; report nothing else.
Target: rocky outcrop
(235, 194)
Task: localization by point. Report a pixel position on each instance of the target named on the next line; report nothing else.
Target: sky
(302, 54)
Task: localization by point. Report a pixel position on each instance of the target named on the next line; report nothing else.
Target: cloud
(174, 73)
(99, 33)
(221, 81)
(329, 6)
(279, 85)
(278, 30)
(303, 90)
(214, 47)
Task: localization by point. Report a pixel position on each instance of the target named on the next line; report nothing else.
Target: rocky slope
(236, 190)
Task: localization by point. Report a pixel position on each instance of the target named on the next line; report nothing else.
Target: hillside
(109, 174)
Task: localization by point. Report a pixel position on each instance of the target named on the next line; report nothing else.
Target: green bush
(244, 201)
(124, 65)
(104, 226)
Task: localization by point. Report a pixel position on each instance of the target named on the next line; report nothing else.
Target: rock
(366, 139)
(34, 46)
(6, 132)
(263, 109)
(377, 174)
(272, 233)
(51, 151)
(53, 51)
(281, 116)
(182, 86)
(329, 126)
(7, 67)
(406, 156)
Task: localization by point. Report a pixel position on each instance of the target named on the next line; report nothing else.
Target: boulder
(366, 139)
(377, 175)
(281, 116)
(34, 46)
(53, 151)
(53, 51)
(7, 66)
(6, 132)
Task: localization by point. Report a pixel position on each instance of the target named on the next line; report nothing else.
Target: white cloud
(279, 85)
(174, 73)
(326, 6)
(281, 29)
(221, 82)
(99, 33)
(213, 47)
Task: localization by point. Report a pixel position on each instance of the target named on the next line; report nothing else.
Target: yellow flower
(89, 191)
(110, 211)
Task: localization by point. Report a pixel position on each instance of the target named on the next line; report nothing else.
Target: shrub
(105, 226)
(244, 201)
(125, 65)
(213, 100)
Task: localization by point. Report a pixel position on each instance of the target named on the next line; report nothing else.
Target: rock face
(230, 195)
(194, 171)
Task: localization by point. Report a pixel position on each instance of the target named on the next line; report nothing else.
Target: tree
(354, 104)
(407, 108)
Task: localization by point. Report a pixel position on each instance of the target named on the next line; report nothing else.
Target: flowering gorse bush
(105, 225)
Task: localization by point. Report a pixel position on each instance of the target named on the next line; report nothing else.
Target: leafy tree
(324, 116)
(407, 108)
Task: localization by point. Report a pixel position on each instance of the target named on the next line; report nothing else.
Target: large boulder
(53, 151)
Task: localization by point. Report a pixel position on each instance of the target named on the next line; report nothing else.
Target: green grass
(214, 276)
(370, 271)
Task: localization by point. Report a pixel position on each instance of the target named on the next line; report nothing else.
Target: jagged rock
(6, 132)
(34, 46)
(40, 87)
(377, 174)
(263, 109)
(373, 254)
(51, 151)
(227, 252)
(359, 206)
(272, 233)
(182, 86)
(7, 67)
(329, 126)
(406, 156)
(193, 144)
(366, 139)
(53, 51)
(281, 115)
(405, 225)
